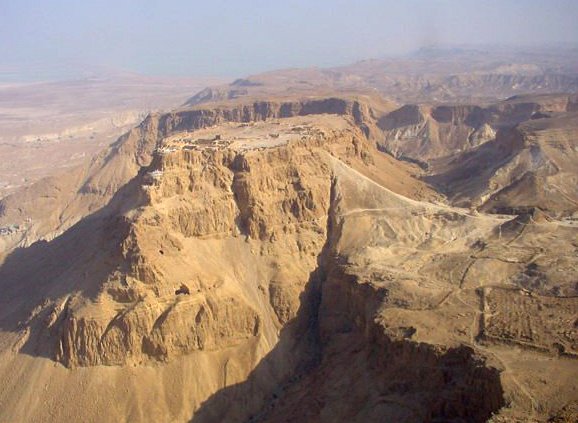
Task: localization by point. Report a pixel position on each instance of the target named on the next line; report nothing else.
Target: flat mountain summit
(336, 256)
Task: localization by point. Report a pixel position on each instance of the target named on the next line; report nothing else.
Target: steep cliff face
(404, 327)
(50, 206)
(426, 133)
(505, 157)
(220, 201)
(264, 268)
(524, 167)
(205, 256)
(269, 205)
(404, 313)
(386, 369)
(421, 134)
(262, 110)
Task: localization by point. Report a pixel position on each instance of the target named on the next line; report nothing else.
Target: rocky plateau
(313, 258)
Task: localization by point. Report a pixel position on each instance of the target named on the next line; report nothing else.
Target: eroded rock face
(388, 299)
(47, 208)
(528, 166)
(141, 333)
(386, 366)
(385, 375)
(302, 267)
(267, 206)
(371, 366)
(426, 133)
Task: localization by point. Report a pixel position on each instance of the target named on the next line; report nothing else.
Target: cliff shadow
(298, 344)
(350, 370)
(77, 261)
(357, 375)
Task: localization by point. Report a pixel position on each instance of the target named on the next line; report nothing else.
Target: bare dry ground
(280, 254)
(48, 127)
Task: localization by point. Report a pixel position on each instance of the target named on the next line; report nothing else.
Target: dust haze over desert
(289, 211)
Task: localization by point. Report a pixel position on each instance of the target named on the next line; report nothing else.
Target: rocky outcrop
(427, 133)
(424, 133)
(384, 373)
(277, 273)
(517, 170)
(50, 206)
(147, 330)
(200, 117)
(270, 206)
(383, 369)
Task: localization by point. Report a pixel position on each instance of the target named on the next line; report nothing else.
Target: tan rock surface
(264, 261)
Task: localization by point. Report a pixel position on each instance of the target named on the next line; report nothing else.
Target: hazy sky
(236, 38)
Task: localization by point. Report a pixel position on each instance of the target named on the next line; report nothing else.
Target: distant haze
(60, 38)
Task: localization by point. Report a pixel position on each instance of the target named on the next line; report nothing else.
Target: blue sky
(236, 38)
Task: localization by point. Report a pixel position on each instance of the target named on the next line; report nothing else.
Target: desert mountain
(515, 154)
(46, 208)
(294, 247)
(430, 75)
